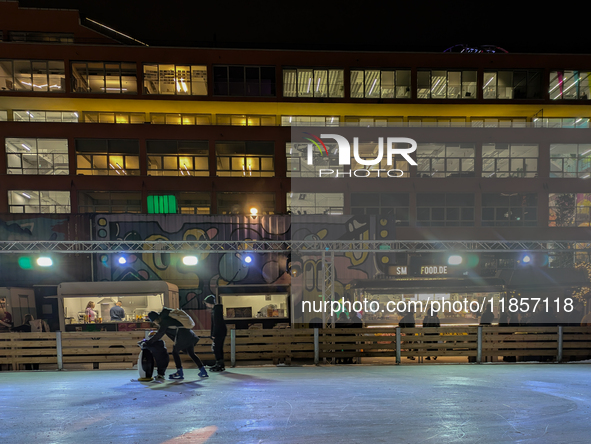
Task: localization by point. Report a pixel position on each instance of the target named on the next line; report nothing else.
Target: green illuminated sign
(162, 204)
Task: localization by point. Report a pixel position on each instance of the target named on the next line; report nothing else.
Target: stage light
(190, 260)
(247, 259)
(526, 259)
(44, 261)
(122, 260)
(455, 260)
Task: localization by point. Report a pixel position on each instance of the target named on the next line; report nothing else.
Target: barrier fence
(103, 350)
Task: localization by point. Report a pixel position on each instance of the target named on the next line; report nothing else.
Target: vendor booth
(137, 299)
(18, 302)
(256, 306)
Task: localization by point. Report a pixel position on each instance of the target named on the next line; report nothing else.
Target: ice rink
(488, 403)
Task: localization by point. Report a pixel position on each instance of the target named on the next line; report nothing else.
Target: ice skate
(178, 375)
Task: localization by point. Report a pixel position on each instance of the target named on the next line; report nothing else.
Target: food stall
(137, 299)
(18, 302)
(256, 306)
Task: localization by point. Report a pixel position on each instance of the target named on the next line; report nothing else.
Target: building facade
(93, 126)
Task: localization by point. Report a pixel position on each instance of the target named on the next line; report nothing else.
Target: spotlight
(122, 260)
(526, 259)
(190, 260)
(455, 260)
(254, 211)
(44, 262)
(247, 259)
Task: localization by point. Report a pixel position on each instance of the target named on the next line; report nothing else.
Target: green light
(25, 262)
(162, 204)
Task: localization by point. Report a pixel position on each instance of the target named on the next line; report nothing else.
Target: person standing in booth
(90, 312)
(117, 313)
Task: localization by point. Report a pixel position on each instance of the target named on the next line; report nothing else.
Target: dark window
(509, 209)
(239, 81)
(438, 209)
(395, 205)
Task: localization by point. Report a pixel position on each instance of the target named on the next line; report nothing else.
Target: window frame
(33, 152)
(40, 207)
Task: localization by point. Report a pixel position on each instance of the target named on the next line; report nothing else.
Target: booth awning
(114, 288)
(473, 285)
(253, 289)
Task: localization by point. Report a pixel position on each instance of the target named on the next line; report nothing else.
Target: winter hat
(209, 299)
(153, 316)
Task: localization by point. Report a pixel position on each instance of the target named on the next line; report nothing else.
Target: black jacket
(431, 321)
(182, 337)
(218, 325)
(487, 318)
(407, 321)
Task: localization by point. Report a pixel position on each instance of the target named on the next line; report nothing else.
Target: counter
(111, 326)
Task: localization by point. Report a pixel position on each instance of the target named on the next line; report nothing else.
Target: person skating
(184, 340)
(160, 354)
(218, 332)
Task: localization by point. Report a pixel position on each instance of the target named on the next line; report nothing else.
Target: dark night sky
(387, 26)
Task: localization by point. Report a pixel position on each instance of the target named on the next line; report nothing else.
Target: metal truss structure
(328, 273)
(296, 246)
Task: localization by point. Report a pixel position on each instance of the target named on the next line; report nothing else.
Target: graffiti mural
(220, 269)
(212, 270)
(307, 272)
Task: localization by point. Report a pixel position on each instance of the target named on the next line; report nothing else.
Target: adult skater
(184, 340)
(218, 332)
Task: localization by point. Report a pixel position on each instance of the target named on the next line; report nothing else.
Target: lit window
(245, 159)
(570, 160)
(371, 121)
(561, 122)
(569, 210)
(44, 116)
(297, 160)
(326, 121)
(32, 75)
(445, 160)
(180, 119)
(245, 120)
(101, 117)
(107, 157)
(29, 201)
(178, 158)
(385, 84)
(104, 77)
(518, 84)
(175, 79)
(37, 156)
(309, 82)
(569, 85)
(509, 160)
(446, 84)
